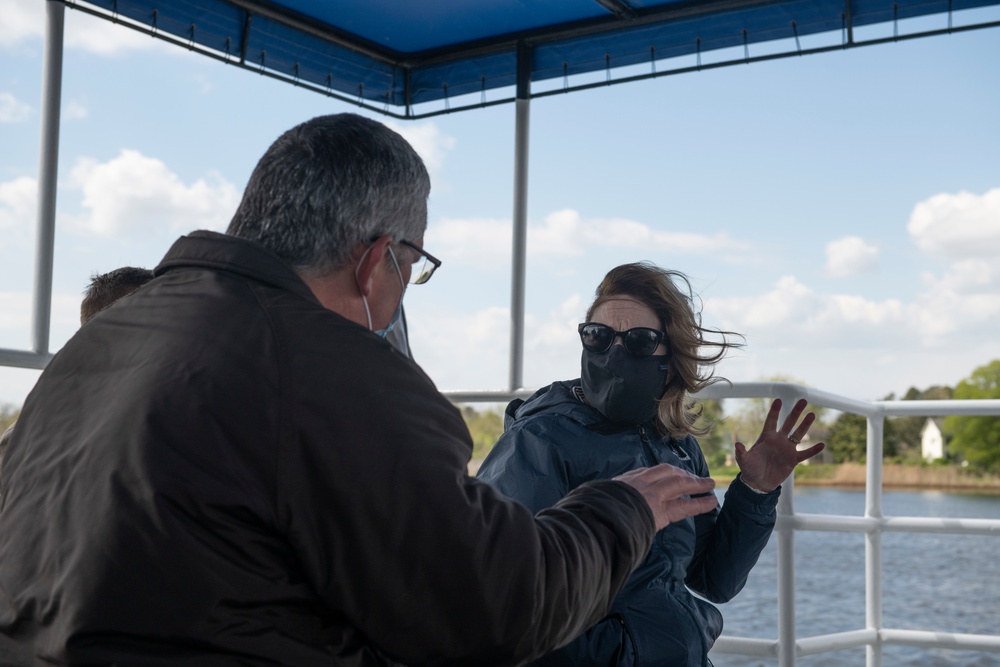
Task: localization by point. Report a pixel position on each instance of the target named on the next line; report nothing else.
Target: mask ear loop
(357, 281)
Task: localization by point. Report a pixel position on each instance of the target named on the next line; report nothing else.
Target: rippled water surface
(930, 582)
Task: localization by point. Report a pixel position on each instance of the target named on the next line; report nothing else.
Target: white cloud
(133, 192)
(97, 35)
(431, 144)
(469, 350)
(482, 241)
(12, 110)
(956, 309)
(792, 315)
(784, 306)
(15, 310)
(959, 225)
(450, 342)
(17, 204)
(204, 84)
(850, 256)
(15, 313)
(24, 20)
(75, 111)
(564, 233)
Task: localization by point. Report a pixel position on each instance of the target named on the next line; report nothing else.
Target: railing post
(788, 394)
(522, 107)
(786, 577)
(873, 540)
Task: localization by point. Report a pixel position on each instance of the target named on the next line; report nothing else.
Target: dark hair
(106, 288)
(690, 370)
(329, 184)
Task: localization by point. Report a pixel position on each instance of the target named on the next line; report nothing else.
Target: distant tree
(977, 439)
(485, 427)
(8, 415)
(717, 444)
(848, 439)
(902, 437)
(745, 422)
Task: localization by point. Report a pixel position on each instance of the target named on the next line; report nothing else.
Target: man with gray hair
(253, 475)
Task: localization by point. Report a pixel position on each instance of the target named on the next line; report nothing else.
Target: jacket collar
(212, 250)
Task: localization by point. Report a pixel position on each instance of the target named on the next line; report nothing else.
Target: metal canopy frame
(383, 79)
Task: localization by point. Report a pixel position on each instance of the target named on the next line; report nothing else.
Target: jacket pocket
(608, 643)
(711, 620)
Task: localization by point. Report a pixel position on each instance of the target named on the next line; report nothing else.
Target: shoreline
(895, 477)
(854, 476)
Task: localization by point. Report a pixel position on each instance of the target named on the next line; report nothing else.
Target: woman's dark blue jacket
(552, 443)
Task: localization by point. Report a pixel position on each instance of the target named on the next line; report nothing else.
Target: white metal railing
(787, 647)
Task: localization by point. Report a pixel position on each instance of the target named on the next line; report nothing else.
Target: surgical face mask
(397, 315)
(622, 387)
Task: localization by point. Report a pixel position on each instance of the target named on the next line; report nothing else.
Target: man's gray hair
(329, 184)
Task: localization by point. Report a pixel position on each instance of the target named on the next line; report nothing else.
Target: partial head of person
(106, 288)
(645, 351)
(343, 200)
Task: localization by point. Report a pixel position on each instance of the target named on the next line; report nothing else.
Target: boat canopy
(398, 57)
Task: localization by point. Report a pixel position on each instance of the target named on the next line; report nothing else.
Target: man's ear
(370, 261)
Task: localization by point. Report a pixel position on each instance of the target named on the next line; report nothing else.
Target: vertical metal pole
(520, 220)
(786, 552)
(786, 579)
(48, 169)
(873, 540)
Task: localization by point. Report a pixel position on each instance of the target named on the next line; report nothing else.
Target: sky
(840, 210)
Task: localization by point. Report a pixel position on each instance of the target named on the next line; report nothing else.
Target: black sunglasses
(639, 342)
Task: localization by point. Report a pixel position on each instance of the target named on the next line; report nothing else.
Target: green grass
(724, 475)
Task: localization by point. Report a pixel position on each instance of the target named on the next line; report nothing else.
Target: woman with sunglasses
(644, 352)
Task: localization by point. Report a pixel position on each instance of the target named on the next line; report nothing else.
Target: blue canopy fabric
(398, 54)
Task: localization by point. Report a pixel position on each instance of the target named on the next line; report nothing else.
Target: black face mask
(623, 387)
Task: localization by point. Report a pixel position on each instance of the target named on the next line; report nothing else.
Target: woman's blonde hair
(690, 368)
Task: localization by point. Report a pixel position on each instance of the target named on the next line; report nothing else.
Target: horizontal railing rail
(24, 359)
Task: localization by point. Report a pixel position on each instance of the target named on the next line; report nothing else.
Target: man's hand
(668, 491)
(773, 457)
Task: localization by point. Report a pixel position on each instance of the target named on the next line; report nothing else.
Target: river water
(930, 582)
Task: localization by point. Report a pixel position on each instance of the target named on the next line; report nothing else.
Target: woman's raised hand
(775, 454)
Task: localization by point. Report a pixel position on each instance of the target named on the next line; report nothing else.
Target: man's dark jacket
(219, 471)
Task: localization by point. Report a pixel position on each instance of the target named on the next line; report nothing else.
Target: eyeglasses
(639, 341)
(424, 266)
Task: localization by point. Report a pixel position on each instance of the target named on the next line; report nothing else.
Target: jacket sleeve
(434, 567)
(729, 540)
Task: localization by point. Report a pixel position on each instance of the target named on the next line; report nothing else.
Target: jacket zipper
(647, 448)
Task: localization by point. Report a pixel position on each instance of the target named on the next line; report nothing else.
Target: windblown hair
(106, 288)
(692, 354)
(329, 184)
